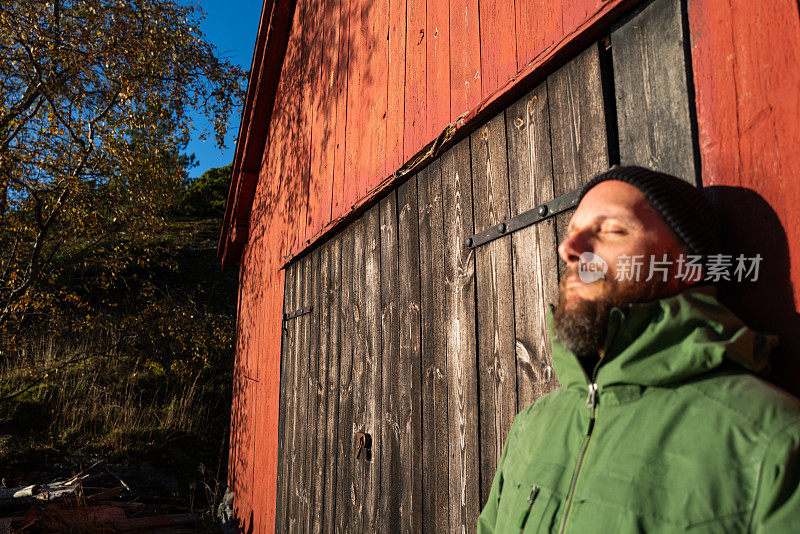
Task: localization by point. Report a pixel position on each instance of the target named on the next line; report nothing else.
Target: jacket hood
(667, 341)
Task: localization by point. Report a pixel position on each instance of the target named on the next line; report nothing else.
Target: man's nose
(573, 246)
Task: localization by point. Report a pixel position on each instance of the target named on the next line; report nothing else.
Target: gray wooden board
(391, 492)
(334, 289)
(321, 386)
(652, 94)
(297, 513)
(312, 396)
(535, 258)
(301, 405)
(293, 401)
(495, 297)
(346, 435)
(434, 356)
(577, 128)
(373, 368)
(459, 312)
(359, 400)
(284, 409)
(408, 371)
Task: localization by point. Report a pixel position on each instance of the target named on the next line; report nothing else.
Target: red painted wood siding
(746, 63)
(746, 58)
(383, 78)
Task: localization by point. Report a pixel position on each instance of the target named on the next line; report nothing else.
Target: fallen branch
(110, 472)
(18, 492)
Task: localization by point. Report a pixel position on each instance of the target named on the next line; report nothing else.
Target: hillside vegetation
(127, 357)
(116, 325)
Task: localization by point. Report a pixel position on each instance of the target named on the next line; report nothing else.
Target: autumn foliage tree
(95, 101)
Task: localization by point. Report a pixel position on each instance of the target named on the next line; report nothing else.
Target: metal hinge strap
(535, 215)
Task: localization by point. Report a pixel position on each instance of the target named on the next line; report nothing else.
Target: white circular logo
(591, 267)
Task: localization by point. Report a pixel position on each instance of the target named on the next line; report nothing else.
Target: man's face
(613, 220)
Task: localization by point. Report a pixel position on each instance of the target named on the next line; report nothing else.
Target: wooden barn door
(402, 331)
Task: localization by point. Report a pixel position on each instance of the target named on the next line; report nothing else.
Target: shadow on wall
(330, 66)
(750, 226)
(327, 59)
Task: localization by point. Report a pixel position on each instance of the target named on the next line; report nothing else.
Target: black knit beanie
(684, 207)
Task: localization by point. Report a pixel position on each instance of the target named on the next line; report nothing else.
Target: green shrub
(205, 196)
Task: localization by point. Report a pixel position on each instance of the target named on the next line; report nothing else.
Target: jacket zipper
(591, 402)
(531, 498)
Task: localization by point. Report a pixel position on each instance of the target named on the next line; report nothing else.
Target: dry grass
(102, 399)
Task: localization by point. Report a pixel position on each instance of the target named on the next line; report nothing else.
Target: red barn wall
(746, 63)
(377, 81)
(365, 85)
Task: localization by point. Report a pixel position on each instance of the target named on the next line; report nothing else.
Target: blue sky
(231, 25)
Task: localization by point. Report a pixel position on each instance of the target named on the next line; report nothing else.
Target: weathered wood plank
(435, 453)
(372, 94)
(247, 475)
(243, 484)
(297, 511)
(392, 472)
(246, 371)
(459, 311)
(285, 408)
(326, 102)
(347, 343)
(408, 372)
(342, 20)
(465, 59)
(321, 422)
(652, 94)
(293, 401)
(358, 291)
(236, 430)
(538, 28)
(495, 297)
(395, 62)
(345, 188)
(498, 43)
(576, 12)
(312, 440)
(577, 128)
(415, 112)
(438, 68)
(302, 144)
(333, 353)
(535, 258)
(294, 170)
(373, 368)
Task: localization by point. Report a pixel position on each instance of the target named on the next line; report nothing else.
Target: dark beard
(583, 328)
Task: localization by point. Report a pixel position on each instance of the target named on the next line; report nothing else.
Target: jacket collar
(665, 342)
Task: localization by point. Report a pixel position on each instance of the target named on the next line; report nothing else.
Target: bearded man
(660, 423)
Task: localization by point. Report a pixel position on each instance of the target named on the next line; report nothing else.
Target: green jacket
(677, 436)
